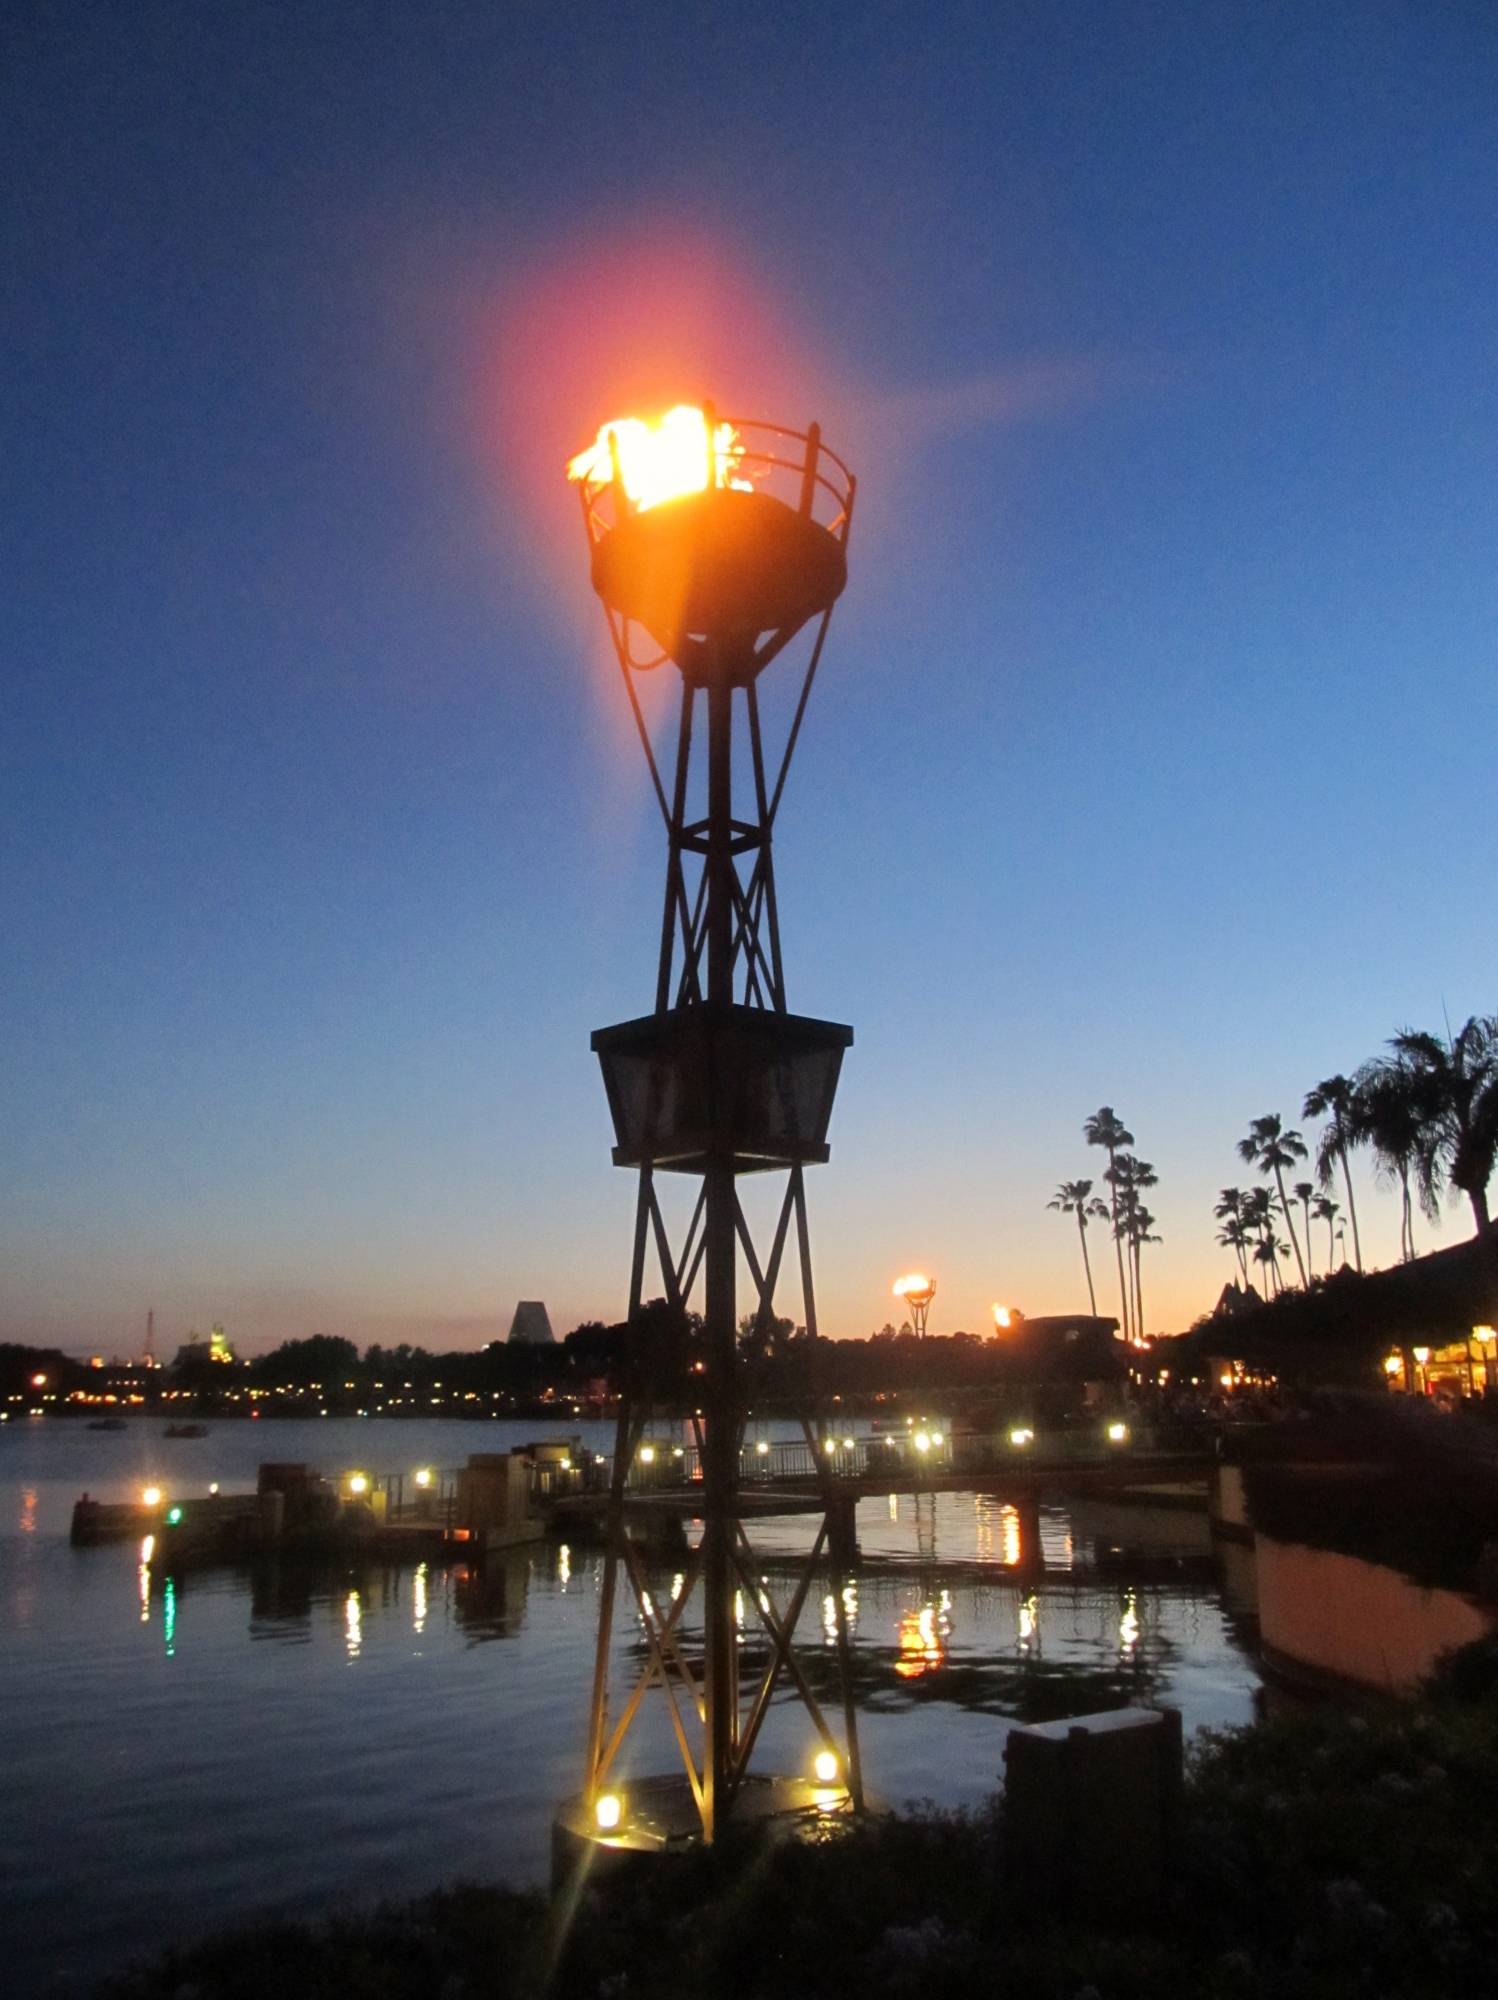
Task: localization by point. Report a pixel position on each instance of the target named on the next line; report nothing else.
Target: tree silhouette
(1454, 1089)
(1333, 1099)
(1392, 1112)
(1326, 1210)
(1303, 1191)
(1271, 1149)
(1076, 1198)
(1106, 1129)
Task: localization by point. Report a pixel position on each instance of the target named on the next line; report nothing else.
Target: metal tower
(744, 550)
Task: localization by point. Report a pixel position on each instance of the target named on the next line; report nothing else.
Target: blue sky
(1152, 758)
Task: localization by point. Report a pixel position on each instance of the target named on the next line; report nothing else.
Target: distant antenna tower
(150, 1355)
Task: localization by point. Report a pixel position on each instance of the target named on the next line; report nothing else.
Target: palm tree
(1257, 1215)
(1455, 1085)
(1130, 1177)
(1303, 1191)
(1141, 1222)
(1106, 1129)
(1392, 1111)
(1234, 1236)
(1332, 1099)
(1268, 1254)
(1271, 1149)
(1327, 1211)
(1076, 1198)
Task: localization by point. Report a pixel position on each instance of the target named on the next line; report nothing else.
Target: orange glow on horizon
(662, 458)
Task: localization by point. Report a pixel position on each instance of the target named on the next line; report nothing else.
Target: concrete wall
(1357, 1621)
(1227, 1503)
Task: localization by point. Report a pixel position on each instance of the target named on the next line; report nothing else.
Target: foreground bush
(1324, 1856)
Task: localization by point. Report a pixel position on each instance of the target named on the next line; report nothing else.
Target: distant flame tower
(714, 545)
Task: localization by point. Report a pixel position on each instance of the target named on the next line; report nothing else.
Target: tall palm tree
(1258, 1218)
(1228, 1209)
(1076, 1198)
(1303, 1191)
(1130, 1177)
(1326, 1210)
(1269, 1254)
(1271, 1149)
(1392, 1111)
(1141, 1222)
(1106, 1129)
(1332, 1099)
(1234, 1236)
(1455, 1084)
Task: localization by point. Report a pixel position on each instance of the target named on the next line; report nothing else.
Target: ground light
(1118, 1433)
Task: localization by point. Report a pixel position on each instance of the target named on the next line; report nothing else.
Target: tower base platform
(659, 1816)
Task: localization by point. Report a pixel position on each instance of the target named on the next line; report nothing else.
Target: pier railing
(666, 1464)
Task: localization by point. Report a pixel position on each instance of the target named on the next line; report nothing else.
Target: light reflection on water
(283, 1737)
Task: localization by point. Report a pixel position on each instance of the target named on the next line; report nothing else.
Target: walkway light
(424, 1477)
(1118, 1433)
(358, 1483)
(923, 1441)
(1421, 1354)
(917, 1291)
(608, 1810)
(150, 1496)
(1020, 1436)
(647, 1454)
(936, 1440)
(825, 1766)
(763, 1448)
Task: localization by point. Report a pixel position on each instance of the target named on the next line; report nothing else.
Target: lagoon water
(179, 1754)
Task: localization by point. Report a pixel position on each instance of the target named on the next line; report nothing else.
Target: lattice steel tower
(718, 563)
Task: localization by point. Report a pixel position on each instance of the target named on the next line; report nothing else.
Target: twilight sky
(1152, 757)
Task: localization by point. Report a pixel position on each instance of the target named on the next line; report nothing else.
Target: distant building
(531, 1326)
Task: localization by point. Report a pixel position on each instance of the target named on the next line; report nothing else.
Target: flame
(664, 458)
(914, 1286)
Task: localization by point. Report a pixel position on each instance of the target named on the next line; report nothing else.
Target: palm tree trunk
(1290, 1224)
(1305, 1209)
(1331, 1246)
(1139, 1287)
(1479, 1200)
(1123, 1293)
(1407, 1219)
(1352, 1209)
(1086, 1261)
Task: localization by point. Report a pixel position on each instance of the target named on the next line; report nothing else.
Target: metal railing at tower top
(794, 466)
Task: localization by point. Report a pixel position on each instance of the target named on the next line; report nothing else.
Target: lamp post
(713, 545)
(917, 1291)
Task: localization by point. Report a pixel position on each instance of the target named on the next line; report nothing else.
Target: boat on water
(109, 1424)
(185, 1431)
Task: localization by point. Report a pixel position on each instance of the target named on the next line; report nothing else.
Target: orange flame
(914, 1286)
(664, 458)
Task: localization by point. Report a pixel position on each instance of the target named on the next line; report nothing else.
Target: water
(179, 1755)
